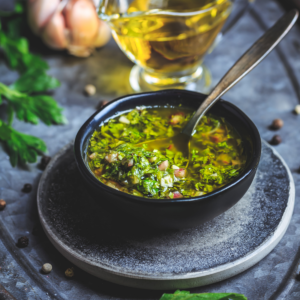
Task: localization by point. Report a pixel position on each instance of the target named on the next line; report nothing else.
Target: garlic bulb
(68, 24)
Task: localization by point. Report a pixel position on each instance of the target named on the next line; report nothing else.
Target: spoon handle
(244, 65)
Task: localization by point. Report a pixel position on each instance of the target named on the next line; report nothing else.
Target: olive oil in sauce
(216, 154)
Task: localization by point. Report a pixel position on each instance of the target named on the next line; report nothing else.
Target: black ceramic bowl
(170, 213)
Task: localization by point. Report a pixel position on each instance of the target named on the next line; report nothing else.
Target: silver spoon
(240, 69)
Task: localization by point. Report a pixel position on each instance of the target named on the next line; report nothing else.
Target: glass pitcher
(166, 39)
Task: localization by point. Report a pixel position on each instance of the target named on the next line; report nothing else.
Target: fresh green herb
(216, 154)
(35, 80)
(18, 96)
(185, 295)
(32, 108)
(21, 147)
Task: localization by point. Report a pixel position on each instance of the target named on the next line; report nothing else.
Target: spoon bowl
(180, 142)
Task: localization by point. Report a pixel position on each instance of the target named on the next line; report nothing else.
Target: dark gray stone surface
(98, 237)
(265, 94)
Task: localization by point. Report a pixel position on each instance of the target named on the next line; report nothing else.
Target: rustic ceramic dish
(170, 213)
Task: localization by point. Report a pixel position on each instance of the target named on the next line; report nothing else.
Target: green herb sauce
(217, 154)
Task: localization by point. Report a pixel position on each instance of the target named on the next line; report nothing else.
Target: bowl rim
(253, 163)
(103, 16)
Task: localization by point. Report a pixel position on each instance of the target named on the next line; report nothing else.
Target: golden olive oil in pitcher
(172, 39)
(167, 39)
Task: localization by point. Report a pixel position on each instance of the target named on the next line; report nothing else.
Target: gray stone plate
(140, 257)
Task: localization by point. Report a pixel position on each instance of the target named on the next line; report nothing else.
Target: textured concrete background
(268, 92)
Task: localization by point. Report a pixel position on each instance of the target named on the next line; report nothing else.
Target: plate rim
(162, 281)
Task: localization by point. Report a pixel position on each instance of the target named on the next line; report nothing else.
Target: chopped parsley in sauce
(217, 154)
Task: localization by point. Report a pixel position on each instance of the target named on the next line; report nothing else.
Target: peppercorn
(276, 140)
(297, 109)
(23, 242)
(277, 124)
(46, 268)
(101, 104)
(27, 188)
(2, 204)
(69, 272)
(90, 90)
(44, 162)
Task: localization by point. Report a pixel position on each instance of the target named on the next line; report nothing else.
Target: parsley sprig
(185, 295)
(24, 98)
(32, 108)
(21, 147)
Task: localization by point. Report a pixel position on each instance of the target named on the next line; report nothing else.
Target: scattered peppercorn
(2, 204)
(69, 272)
(27, 188)
(277, 124)
(276, 140)
(44, 162)
(46, 268)
(23, 242)
(101, 104)
(90, 89)
(297, 109)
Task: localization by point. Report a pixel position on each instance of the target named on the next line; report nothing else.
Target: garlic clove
(82, 21)
(54, 34)
(103, 36)
(40, 12)
(80, 51)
